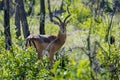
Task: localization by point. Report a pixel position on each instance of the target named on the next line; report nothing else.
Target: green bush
(18, 63)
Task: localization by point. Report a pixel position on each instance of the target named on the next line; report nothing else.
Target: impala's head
(62, 24)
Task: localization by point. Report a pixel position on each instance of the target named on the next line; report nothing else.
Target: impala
(49, 43)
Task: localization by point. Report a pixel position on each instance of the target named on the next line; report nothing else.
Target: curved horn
(68, 15)
(58, 18)
(67, 18)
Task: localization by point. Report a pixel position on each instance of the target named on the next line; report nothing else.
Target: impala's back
(40, 42)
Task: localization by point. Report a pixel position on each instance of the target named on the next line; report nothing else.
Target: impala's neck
(61, 37)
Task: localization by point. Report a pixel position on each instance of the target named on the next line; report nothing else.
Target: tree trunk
(17, 20)
(7, 24)
(23, 19)
(31, 8)
(11, 10)
(50, 13)
(1, 5)
(42, 17)
(61, 7)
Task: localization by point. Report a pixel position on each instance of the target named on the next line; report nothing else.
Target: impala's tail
(27, 42)
(30, 42)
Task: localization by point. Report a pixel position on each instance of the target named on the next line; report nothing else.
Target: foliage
(17, 66)
(24, 65)
(79, 11)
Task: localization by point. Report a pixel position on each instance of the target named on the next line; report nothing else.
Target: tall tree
(17, 19)
(31, 8)
(7, 24)
(42, 16)
(50, 13)
(61, 7)
(1, 5)
(23, 18)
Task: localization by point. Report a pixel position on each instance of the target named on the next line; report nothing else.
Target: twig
(89, 52)
(109, 26)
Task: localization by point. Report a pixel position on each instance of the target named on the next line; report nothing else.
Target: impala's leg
(51, 58)
(39, 54)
